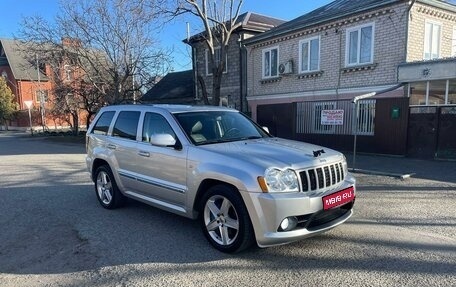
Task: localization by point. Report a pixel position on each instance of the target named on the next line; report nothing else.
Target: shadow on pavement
(53, 231)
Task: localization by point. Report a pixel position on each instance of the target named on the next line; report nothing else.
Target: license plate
(338, 198)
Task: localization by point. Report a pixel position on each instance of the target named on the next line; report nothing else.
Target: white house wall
(419, 15)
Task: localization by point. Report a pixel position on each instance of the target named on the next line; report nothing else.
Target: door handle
(111, 146)
(144, 153)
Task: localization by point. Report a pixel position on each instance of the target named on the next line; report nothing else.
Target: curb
(390, 174)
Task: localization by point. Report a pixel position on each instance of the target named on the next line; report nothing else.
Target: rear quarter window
(126, 125)
(102, 125)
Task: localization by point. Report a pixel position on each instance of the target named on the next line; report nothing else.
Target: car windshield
(209, 127)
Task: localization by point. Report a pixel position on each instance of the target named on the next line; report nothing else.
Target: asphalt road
(54, 233)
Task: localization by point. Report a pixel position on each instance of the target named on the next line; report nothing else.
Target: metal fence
(308, 117)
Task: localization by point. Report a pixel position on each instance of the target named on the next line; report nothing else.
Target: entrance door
(446, 146)
(422, 132)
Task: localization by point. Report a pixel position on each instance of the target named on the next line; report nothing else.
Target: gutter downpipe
(241, 75)
(195, 74)
(356, 114)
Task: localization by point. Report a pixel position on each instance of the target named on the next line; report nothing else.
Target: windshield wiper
(222, 140)
(217, 141)
(252, 138)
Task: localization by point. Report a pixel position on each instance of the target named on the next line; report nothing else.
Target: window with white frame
(432, 36)
(41, 95)
(453, 43)
(436, 92)
(68, 73)
(360, 45)
(318, 127)
(217, 56)
(270, 62)
(309, 55)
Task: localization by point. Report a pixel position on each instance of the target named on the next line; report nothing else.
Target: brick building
(31, 79)
(233, 89)
(27, 80)
(401, 50)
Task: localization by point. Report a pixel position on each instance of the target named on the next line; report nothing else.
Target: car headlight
(345, 165)
(276, 180)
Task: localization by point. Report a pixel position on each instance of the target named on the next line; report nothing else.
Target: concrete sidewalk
(397, 166)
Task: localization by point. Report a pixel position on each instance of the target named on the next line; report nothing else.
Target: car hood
(276, 152)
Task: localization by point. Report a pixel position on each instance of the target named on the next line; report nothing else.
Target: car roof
(173, 109)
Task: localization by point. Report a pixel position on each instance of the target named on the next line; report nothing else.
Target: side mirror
(266, 129)
(165, 140)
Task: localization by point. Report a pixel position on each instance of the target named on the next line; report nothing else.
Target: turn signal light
(262, 183)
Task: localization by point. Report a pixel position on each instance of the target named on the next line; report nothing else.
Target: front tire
(108, 194)
(225, 221)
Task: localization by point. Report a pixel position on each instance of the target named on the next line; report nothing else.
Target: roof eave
(263, 37)
(439, 4)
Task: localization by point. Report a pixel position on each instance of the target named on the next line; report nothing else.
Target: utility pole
(41, 94)
(133, 78)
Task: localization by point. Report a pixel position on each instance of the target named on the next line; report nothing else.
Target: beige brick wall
(389, 50)
(419, 14)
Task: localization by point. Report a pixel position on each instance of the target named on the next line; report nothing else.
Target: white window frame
(453, 43)
(270, 58)
(439, 52)
(358, 56)
(208, 70)
(68, 72)
(426, 101)
(45, 94)
(308, 41)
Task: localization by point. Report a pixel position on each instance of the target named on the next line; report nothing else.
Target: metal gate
(446, 141)
(279, 118)
(431, 132)
(381, 131)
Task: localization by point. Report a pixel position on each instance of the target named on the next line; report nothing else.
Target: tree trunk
(87, 120)
(75, 123)
(216, 83)
(203, 89)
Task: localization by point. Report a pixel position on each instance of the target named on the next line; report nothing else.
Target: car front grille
(321, 177)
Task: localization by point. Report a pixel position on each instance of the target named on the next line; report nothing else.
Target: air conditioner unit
(286, 68)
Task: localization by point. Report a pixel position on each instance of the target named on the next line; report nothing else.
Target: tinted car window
(218, 126)
(155, 124)
(103, 123)
(126, 125)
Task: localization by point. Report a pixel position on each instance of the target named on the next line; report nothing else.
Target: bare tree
(109, 44)
(122, 33)
(220, 20)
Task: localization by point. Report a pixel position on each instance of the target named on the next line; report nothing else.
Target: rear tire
(106, 189)
(225, 220)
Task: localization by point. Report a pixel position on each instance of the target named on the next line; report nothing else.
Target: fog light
(289, 223)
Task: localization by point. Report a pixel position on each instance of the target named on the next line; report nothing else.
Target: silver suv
(216, 165)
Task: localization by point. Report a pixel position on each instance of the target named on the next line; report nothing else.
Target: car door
(161, 170)
(123, 146)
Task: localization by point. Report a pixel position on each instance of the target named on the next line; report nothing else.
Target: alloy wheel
(104, 187)
(221, 220)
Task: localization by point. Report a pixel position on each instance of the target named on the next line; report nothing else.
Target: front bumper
(267, 210)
